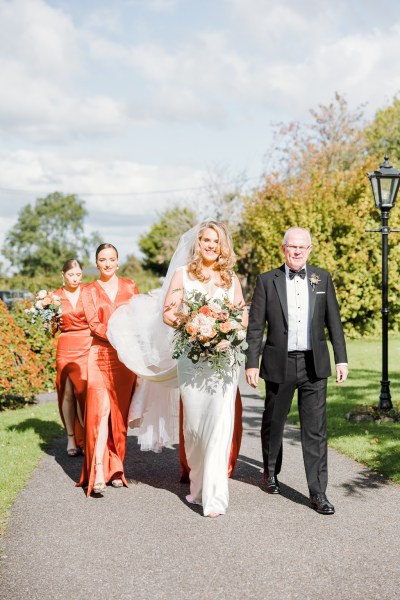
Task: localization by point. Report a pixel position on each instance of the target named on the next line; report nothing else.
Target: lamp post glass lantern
(385, 183)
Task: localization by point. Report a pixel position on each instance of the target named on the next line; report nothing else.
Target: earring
(62, 279)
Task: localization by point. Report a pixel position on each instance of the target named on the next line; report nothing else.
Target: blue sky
(117, 100)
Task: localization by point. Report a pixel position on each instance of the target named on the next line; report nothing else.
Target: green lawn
(24, 436)
(373, 444)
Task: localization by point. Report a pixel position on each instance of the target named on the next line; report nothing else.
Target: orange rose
(226, 327)
(191, 329)
(194, 314)
(57, 303)
(46, 301)
(205, 310)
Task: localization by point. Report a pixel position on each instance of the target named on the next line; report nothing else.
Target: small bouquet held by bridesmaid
(210, 330)
(48, 309)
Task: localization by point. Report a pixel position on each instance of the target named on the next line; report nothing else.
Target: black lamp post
(385, 183)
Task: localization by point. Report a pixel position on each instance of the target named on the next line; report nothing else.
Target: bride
(208, 400)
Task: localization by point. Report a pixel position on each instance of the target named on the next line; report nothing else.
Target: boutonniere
(314, 280)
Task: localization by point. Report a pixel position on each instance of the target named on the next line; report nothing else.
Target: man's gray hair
(295, 229)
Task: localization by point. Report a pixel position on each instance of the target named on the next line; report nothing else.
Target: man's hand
(252, 377)
(341, 373)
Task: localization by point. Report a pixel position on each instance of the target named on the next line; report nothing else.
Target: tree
(159, 244)
(326, 190)
(224, 197)
(383, 134)
(47, 234)
(132, 268)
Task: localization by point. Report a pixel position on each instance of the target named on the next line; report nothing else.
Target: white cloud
(39, 39)
(213, 78)
(300, 60)
(120, 195)
(88, 89)
(356, 65)
(40, 59)
(157, 6)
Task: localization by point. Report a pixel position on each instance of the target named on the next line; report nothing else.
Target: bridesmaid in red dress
(73, 346)
(110, 382)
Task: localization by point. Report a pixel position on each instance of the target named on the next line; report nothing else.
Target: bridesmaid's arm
(96, 327)
(239, 301)
(134, 290)
(173, 300)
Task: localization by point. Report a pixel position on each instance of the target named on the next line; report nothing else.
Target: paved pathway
(145, 542)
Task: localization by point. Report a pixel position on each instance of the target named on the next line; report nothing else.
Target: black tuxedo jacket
(269, 308)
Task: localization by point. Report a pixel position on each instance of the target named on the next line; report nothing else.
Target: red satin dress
(235, 446)
(107, 376)
(73, 345)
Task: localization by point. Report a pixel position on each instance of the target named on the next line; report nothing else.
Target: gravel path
(145, 542)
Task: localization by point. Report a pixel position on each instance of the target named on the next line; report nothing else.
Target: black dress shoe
(321, 504)
(271, 484)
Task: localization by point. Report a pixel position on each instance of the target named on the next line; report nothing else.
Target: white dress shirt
(299, 333)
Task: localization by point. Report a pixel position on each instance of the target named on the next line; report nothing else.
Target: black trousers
(312, 412)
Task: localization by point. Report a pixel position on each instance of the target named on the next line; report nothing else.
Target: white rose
(241, 334)
(222, 345)
(38, 304)
(215, 307)
(205, 330)
(203, 321)
(41, 294)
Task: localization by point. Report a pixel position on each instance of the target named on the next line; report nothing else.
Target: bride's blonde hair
(226, 258)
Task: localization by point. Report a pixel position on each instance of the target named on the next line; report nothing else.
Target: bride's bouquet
(210, 330)
(48, 309)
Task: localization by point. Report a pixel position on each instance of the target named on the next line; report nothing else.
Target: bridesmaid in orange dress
(110, 382)
(73, 346)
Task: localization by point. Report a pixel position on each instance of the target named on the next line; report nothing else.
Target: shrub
(40, 342)
(21, 372)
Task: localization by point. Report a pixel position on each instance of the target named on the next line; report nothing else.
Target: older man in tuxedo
(296, 302)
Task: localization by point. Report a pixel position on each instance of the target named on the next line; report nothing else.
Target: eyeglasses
(300, 248)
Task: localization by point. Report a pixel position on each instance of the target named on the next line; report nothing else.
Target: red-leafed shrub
(40, 342)
(21, 373)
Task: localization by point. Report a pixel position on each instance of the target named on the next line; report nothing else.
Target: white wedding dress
(209, 412)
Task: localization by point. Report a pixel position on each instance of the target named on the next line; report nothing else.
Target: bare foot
(213, 515)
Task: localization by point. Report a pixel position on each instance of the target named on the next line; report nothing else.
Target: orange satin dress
(73, 345)
(235, 446)
(107, 376)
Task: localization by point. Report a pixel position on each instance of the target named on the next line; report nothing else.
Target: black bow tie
(301, 273)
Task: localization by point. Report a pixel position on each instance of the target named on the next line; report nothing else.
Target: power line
(145, 193)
